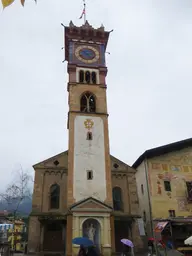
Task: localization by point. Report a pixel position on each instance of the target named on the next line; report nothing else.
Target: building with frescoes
(164, 185)
(16, 234)
(13, 232)
(85, 191)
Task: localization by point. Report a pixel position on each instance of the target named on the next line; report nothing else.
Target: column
(34, 235)
(64, 235)
(76, 227)
(42, 236)
(69, 235)
(106, 250)
(106, 229)
(112, 224)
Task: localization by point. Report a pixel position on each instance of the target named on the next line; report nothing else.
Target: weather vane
(83, 14)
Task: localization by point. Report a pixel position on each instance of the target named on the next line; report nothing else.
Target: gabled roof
(91, 200)
(119, 161)
(62, 158)
(50, 159)
(168, 148)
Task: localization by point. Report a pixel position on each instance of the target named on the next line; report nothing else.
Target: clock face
(87, 54)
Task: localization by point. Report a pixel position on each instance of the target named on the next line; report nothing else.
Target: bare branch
(19, 190)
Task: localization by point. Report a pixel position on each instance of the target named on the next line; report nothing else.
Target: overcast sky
(149, 79)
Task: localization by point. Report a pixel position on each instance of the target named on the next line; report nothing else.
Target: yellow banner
(6, 3)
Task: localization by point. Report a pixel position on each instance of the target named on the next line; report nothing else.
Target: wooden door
(53, 237)
(121, 231)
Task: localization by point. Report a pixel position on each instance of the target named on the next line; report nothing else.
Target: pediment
(57, 161)
(90, 205)
(62, 160)
(118, 166)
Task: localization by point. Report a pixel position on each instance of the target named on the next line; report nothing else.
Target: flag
(83, 13)
(6, 3)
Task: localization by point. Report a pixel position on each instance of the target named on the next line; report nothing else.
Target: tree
(6, 3)
(17, 191)
(14, 195)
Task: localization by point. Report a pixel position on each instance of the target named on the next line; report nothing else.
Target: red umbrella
(151, 239)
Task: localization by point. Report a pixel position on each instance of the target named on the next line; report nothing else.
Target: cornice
(104, 86)
(89, 114)
(128, 173)
(52, 168)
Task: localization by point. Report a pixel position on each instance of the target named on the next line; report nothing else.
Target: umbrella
(151, 239)
(127, 242)
(82, 241)
(188, 241)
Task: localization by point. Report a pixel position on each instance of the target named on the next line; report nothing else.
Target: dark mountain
(24, 208)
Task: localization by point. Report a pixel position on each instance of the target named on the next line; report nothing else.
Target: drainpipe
(150, 208)
(148, 192)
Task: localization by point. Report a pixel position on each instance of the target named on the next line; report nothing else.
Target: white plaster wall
(89, 155)
(143, 198)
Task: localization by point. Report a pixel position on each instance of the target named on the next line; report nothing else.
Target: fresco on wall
(169, 195)
(173, 162)
(165, 167)
(168, 168)
(160, 176)
(156, 166)
(182, 204)
(166, 176)
(175, 168)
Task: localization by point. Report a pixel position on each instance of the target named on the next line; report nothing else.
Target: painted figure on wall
(160, 176)
(182, 204)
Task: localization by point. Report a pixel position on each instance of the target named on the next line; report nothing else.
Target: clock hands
(88, 53)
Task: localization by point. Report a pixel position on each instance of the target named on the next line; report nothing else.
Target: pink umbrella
(127, 242)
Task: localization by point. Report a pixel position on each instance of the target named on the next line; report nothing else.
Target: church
(85, 191)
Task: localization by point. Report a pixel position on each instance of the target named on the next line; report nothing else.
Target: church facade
(84, 191)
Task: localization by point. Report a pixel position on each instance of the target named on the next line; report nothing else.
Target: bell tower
(89, 170)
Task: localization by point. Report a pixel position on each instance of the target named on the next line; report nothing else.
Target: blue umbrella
(82, 241)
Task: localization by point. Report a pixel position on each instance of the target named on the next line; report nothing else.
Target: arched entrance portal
(92, 230)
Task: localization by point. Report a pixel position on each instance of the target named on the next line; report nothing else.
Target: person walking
(91, 251)
(126, 250)
(82, 251)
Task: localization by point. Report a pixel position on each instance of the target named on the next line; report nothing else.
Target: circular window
(115, 166)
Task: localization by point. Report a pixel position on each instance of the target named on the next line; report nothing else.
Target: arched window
(88, 103)
(54, 196)
(81, 76)
(117, 199)
(94, 77)
(87, 77)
